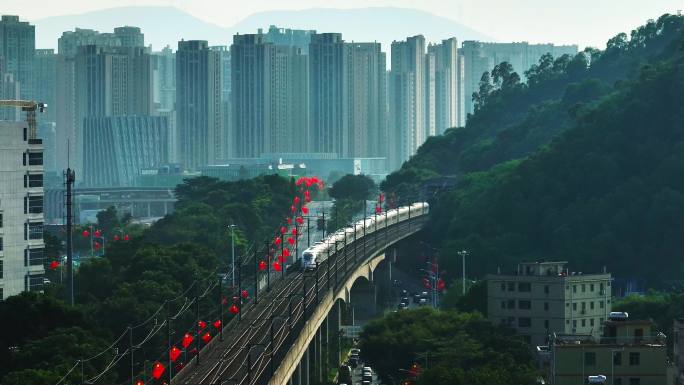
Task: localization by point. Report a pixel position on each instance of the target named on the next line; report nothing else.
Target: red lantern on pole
(54, 265)
(116, 237)
(277, 266)
(97, 245)
(262, 265)
(289, 221)
(217, 324)
(206, 337)
(307, 199)
(305, 210)
(281, 259)
(201, 325)
(286, 252)
(276, 241)
(294, 232)
(85, 233)
(300, 220)
(174, 353)
(307, 193)
(234, 309)
(157, 370)
(126, 238)
(187, 340)
(441, 285)
(139, 382)
(378, 209)
(245, 294)
(296, 200)
(291, 241)
(283, 230)
(381, 198)
(293, 209)
(98, 233)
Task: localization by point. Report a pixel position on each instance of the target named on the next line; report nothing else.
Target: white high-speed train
(321, 250)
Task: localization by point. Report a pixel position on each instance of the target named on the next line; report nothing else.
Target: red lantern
(296, 200)
(206, 337)
(157, 370)
(85, 233)
(305, 210)
(245, 294)
(98, 233)
(54, 265)
(286, 252)
(290, 240)
(441, 285)
(300, 220)
(307, 199)
(289, 221)
(187, 340)
(126, 238)
(307, 193)
(277, 241)
(116, 237)
(309, 182)
(294, 231)
(224, 301)
(381, 198)
(277, 267)
(139, 382)
(293, 209)
(97, 245)
(234, 310)
(281, 259)
(201, 325)
(262, 265)
(283, 230)
(378, 209)
(217, 324)
(174, 353)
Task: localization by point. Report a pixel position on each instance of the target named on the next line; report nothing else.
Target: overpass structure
(286, 335)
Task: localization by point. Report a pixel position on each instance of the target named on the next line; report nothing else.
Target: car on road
(423, 301)
(404, 293)
(365, 383)
(354, 351)
(368, 378)
(424, 294)
(402, 306)
(416, 298)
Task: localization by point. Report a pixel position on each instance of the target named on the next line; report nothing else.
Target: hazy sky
(585, 22)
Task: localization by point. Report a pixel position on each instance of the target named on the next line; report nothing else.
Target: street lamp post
(463, 254)
(232, 254)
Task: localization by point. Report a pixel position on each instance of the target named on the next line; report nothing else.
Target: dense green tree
(355, 187)
(451, 347)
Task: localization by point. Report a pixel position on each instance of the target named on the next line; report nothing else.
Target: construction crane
(30, 107)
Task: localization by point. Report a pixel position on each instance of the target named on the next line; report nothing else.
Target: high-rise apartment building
(446, 108)
(21, 210)
(110, 81)
(165, 79)
(45, 76)
(327, 121)
(17, 49)
(130, 36)
(481, 57)
(299, 38)
(540, 299)
(68, 43)
(406, 100)
(9, 89)
(117, 148)
(269, 97)
(365, 100)
(201, 134)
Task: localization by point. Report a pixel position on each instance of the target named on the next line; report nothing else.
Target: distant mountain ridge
(167, 25)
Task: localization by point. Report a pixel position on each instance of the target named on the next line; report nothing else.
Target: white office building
(21, 210)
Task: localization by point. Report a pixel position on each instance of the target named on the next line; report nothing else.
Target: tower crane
(30, 107)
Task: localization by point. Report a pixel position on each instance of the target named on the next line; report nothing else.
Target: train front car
(309, 259)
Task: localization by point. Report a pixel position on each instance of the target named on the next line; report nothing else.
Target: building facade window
(590, 359)
(34, 257)
(524, 322)
(634, 381)
(524, 287)
(591, 287)
(525, 305)
(1, 244)
(574, 323)
(34, 282)
(591, 322)
(546, 306)
(546, 289)
(33, 231)
(574, 288)
(33, 204)
(0, 220)
(584, 322)
(35, 158)
(591, 305)
(634, 359)
(574, 306)
(511, 304)
(33, 180)
(584, 288)
(617, 358)
(601, 305)
(511, 286)
(1, 268)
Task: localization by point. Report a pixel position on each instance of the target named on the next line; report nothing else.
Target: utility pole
(70, 178)
(232, 253)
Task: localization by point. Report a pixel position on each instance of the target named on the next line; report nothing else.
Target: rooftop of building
(546, 269)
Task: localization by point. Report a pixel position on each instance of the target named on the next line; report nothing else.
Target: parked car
(423, 301)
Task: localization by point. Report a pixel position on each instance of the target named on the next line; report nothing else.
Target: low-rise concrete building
(542, 298)
(629, 353)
